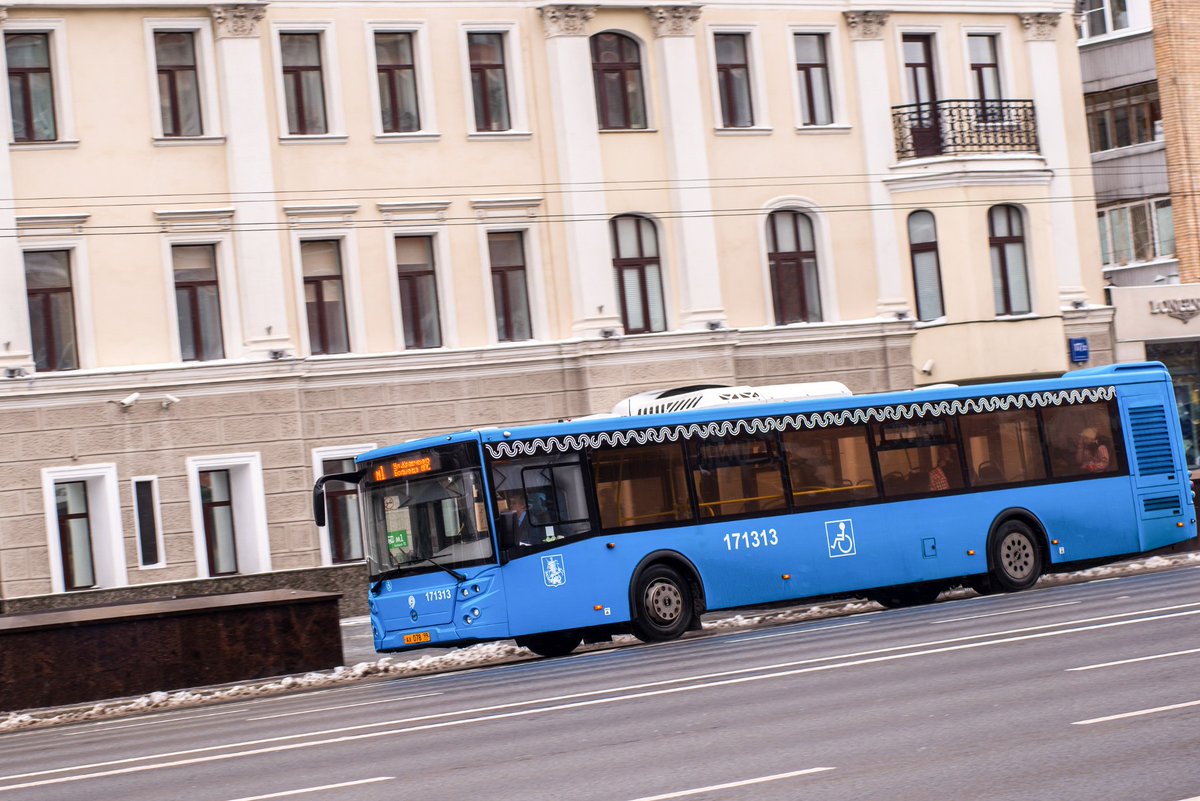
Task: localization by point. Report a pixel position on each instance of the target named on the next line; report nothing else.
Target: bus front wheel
(1015, 557)
(662, 605)
(552, 643)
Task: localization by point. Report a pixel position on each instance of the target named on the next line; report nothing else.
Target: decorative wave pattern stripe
(794, 422)
(1151, 440)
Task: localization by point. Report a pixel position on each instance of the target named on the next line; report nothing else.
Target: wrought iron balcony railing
(957, 127)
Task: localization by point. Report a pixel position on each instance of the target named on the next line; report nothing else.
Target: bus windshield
(425, 511)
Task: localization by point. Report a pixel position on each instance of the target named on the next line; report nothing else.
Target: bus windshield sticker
(554, 571)
(839, 536)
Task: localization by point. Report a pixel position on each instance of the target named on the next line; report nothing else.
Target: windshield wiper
(458, 576)
(399, 570)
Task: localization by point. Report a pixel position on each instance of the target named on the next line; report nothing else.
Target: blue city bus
(712, 499)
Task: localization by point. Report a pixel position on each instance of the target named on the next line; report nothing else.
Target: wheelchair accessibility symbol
(839, 536)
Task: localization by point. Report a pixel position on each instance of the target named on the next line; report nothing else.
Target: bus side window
(829, 466)
(918, 457)
(540, 499)
(1003, 447)
(1081, 439)
(737, 476)
(641, 486)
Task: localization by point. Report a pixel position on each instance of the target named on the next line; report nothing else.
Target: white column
(577, 140)
(259, 261)
(1040, 42)
(687, 165)
(16, 347)
(871, 66)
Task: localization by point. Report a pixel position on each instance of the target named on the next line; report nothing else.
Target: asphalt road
(1086, 691)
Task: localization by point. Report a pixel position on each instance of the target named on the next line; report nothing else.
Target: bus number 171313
(745, 540)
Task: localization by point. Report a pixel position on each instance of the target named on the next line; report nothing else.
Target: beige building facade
(242, 244)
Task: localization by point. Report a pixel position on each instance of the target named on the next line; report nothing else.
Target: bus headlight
(468, 619)
(475, 612)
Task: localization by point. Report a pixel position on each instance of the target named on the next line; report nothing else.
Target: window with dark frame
(51, 309)
(343, 523)
(510, 290)
(197, 302)
(178, 83)
(733, 80)
(324, 296)
(927, 273)
(829, 466)
(396, 68)
(639, 274)
(1003, 447)
(792, 257)
(617, 71)
(30, 87)
(985, 74)
(418, 292)
(75, 535)
(303, 83)
(641, 486)
(145, 516)
(918, 456)
(489, 81)
(1122, 117)
(1082, 440)
(812, 72)
(220, 536)
(737, 475)
(1010, 274)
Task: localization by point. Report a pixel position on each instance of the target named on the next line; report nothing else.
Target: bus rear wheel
(1015, 557)
(662, 605)
(552, 643)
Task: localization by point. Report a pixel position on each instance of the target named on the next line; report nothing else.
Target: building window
(927, 273)
(733, 79)
(51, 309)
(617, 70)
(75, 535)
(145, 518)
(506, 251)
(197, 302)
(1010, 276)
(220, 538)
(639, 274)
(324, 296)
(342, 521)
(1102, 16)
(1122, 117)
(812, 71)
(489, 81)
(418, 292)
(397, 71)
(792, 256)
(178, 83)
(303, 83)
(985, 74)
(1139, 232)
(30, 87)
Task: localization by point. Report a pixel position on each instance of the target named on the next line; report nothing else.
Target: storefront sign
(1181, 309)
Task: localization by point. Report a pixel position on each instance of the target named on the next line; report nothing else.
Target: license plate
(419, 637)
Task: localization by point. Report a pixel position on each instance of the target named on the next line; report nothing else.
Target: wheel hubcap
(664, 601)
(1016, 554)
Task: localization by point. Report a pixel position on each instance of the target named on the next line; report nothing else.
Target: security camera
(129, 399)
(168, 400)
(927, 367)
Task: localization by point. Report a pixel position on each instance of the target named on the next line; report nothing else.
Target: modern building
(243, 243)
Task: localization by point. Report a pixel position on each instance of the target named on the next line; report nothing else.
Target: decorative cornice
(508, 207)
(566, 20)
(1040, 27)
(237, 22)
(177, 220)
(673, 20)
(866, 25)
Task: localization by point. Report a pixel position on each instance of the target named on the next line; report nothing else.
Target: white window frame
(231, 333)
(837, 90)
(252, 541)
(534, 281)
(426, 101)
(447, 313)
(210, 106)
(1137, 22)
(104, 523)
(330, 76)
(514, 73)
(1107, 247)
(333, 452)
(758, 89)
(826, 274)
(60, 70)
(81, 292)
(351, 286)
(137, 526)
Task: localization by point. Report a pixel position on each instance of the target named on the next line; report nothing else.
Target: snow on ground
(491, 653)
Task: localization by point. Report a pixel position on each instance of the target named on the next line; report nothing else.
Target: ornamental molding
(189, 220)
(673, 20)
(3, 16)
(866, 26)
(505, 207)
(796, 422)
(1040, 27)
(51, 225)
(237, 22)
(566, 20)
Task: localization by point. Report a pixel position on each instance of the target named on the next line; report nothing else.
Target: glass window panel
(506, 249)
(641, 486)
(649, 238)
(300, 49)
(1105, 246)
(174, 49)
(501, 304)
(1002, 447)
(627, 237)
(637, 104)
(393, 49)
(147, 522)
(1122, 236)
(1080, 439)
(62, 311)
(1018, 278)
(614, 108)
(497, 94)
(48, 269)
(1120, 15)
(812, 294)
(785, 231)
(921, 227)
(810, 48)
(736, 476)
(998, 282)
(1143, 243)
(16, 94)
(430, 327)
(314, 102)
(486, 48)
(1165, 228)
(807, 243)
(829, 466)
(631, 289)
(224, 541)
(406, 93)
(194, 262)
(187, 85)
(209, 305)
(386, 110)
(654, 298)
(414, 253)
(731, 48)
(333, 310)
(982, 48)
(518, 299)
(822, 106)
(187, 324)
(79, 552)
(27, 50)
(320, 258)
(928, 280)
(41, 95)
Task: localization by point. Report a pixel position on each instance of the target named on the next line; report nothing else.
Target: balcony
(964, 127)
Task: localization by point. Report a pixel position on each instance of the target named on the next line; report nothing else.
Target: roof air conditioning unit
(680, 399)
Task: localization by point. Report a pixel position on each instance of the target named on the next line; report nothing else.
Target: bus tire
(1015, 557)
(552, 643)
(662, 605)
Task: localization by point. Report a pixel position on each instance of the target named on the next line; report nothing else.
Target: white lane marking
(801, 631)
(1138, 713)
(1136, 659)
(286, 793)
(354, 621)
(156, 722)
(555, 707)
(743, 783)
(343, 706)
(1006, 612)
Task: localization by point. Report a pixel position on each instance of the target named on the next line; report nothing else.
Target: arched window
(793, 260)
(639, 274)
(617, 67)
(927, 273)
(1010, 276)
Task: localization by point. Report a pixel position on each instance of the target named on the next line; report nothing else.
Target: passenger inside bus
(1091, 454)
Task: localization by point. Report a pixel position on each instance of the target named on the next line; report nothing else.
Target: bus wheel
(1016, 559)
(552, 643)
(662, 605)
